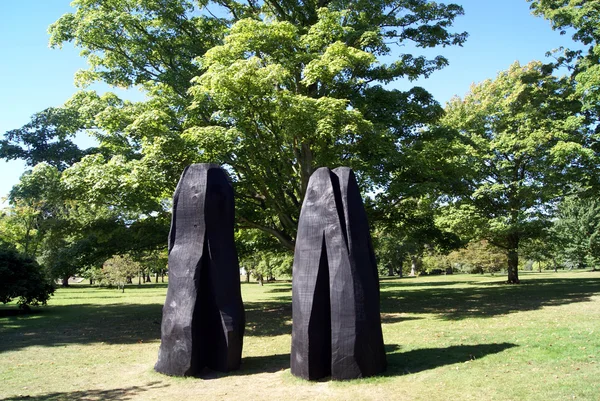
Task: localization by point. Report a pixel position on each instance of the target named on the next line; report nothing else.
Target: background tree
(270, 90)
(524, 144)
(35, 207)
(409, 231)
(120, 269)
(576, 231)
(261, 256)
(542, 249)
(477, 257)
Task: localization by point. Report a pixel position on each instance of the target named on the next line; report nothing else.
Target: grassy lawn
(459, 337)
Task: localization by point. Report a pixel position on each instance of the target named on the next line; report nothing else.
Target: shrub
(23, 278)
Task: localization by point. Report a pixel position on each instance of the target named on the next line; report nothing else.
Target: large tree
(271, 90)
(581, 18)
(524, 144)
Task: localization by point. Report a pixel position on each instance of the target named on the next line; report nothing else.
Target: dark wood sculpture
(336, 327)
(203, 315)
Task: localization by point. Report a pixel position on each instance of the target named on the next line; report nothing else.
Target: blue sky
(34, 77)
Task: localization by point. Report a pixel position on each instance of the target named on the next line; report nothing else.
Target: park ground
(460, 337)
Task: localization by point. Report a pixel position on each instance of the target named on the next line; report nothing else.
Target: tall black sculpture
(203, 315)
(335, 292)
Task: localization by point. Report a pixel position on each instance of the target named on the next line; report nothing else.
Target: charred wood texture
(336, 327)
(203, 316)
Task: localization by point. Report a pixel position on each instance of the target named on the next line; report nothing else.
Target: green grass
(459, 337)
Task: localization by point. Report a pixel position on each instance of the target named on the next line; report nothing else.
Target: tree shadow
(82, 324)
(389, 282)
(280, 290)
(117, 394)
(133, 323)
(16, 311)
(119, 323)
(488, 299)
(410, 362)
(270, 318)
(390, 318)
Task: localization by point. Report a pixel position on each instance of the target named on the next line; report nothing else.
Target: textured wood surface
(335, 292)
(203, 315)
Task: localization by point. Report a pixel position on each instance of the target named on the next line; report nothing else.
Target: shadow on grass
(287, 289)
(389, 318)
(82, 324)
(136, 323)
(264, 364)
(269, 318)
(486, 299)
(252, 365)
(385, 282)
(116, 394)
(118, 323)
(401, 363)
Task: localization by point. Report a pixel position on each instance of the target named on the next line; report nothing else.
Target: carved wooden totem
(336, 327)
(203, 315)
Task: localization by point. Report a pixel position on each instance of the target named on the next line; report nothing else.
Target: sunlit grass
(449, 337)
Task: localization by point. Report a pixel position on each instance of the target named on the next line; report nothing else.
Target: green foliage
(120, 269)
(582, 19)
(270, 90)
(24, 279)
(35, 209)
(576, 231)
(390, 252)
(410, 230)
(261, 256)
(46, 138)
(524, 145)
(478, 257)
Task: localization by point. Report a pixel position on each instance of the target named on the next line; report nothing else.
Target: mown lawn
(459, 337)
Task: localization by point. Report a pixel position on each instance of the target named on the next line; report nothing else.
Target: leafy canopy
(580, 18)
(271, 90)
(524, 145)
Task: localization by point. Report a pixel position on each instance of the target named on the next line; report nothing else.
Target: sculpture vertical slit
(319, 325)
(203, 315)
(333, 233)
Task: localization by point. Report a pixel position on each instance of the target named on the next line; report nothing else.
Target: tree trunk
(65, 281)
(148, 279)
(156, 278)
(513, 265)
(162, 276)
(140, 278)
(91, 281)
(247, 277)
(401, 267)
(390, 270)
